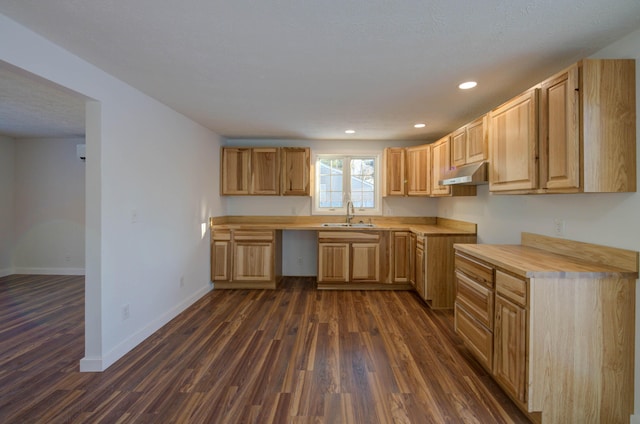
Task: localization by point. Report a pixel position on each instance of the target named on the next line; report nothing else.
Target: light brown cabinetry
(418, 170)
(235, 171)
(246, 258)
(265, 171)
(574, 132)
(474, 304)
(555, 326)
(294, 173)
(440, 166)
(435, 280)
(469, 143)
(351, 258)
(401, 258)
(510, 335)
(394, 159)
(513, 144)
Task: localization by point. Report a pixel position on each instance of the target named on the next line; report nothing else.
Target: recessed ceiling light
(420, 125)
(467, 85)
(350, 131)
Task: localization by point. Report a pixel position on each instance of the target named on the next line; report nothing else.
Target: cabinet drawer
(512, 288)
(476, 299)
(477, 338)
(479, 271)
(253, 235)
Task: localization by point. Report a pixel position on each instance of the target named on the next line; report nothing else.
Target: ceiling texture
(304, 69)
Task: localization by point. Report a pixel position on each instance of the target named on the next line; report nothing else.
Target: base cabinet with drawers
(246, 258)
(552, 321)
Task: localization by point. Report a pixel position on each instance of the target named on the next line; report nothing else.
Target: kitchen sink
(348, 225)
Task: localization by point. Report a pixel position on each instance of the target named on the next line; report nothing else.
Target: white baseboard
(49, 271)
(6, 271)
(635, 419)
(101, 364)
(91, 365)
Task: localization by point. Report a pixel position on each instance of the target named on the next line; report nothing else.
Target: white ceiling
(311, 69)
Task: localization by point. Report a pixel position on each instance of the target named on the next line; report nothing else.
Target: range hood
(472, 174)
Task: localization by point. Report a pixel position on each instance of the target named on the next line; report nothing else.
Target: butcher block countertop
(547, 257)
(431, 226)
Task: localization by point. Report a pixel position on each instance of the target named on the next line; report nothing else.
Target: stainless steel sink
(348, 225)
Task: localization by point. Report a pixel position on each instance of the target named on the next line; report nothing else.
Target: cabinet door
(365, 262)
(220, 260)
(295, 171)
(418, 171)
(513, 137)
(235, 172)
(559, 131)
(253, 261)
(265, 171)
(394, 160)
(401, 256)
(333, 262)
(477, 135)
(440, 159)
(420, 268)
(509, 356)
(459, 147)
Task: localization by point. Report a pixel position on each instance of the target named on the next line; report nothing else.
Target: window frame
(315, 193)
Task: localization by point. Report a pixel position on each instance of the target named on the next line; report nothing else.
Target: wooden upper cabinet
(477, 139)
(235, 170)
(265, 171)
(459, 147)
(559, 131)
(514, 144)
(394, 171)
(579, 135)
(295, 171)
(418, 170)
(440, 161)
(469, 143)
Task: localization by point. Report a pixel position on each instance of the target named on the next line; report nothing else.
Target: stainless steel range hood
(472, 174)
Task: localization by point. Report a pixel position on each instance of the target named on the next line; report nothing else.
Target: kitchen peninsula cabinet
(552, 320)
(574, 132)
(246, 258)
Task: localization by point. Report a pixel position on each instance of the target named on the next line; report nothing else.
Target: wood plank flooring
(292, 355)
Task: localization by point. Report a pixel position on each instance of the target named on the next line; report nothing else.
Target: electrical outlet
(299, 260)
(558, 227)
(125, 312)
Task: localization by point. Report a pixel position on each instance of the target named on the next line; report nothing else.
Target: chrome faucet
(350, 211)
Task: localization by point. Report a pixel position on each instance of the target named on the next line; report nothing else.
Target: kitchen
(596, 218)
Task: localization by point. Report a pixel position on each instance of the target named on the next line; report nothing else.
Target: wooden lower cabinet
(246, 258)
(510, 359)
(558, 342)
(401, 258)
(333, 262)
(434, 266)
(352, 259)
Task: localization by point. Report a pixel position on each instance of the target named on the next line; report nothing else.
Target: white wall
(7, 158)
(607, 219)
(48, 207)
(143, 157)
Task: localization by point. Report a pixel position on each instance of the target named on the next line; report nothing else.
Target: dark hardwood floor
(292, 355)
